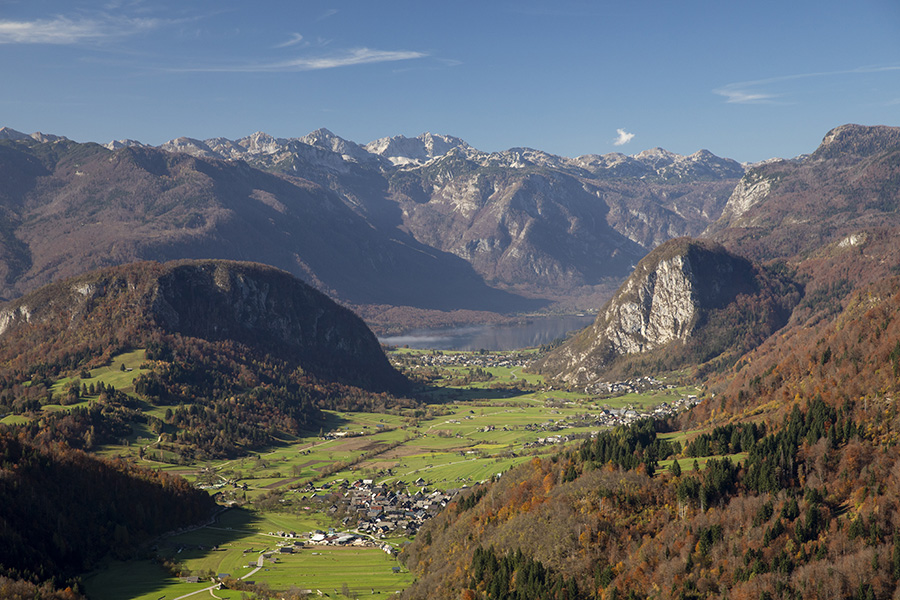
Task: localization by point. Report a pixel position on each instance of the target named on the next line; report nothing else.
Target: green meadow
(461, 435)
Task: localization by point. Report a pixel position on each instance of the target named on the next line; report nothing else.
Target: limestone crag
(677, 302)
(750, 191)
(655, 310)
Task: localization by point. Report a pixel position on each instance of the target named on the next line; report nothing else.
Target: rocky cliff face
(682, 296)
(263, 308)
(750, 191)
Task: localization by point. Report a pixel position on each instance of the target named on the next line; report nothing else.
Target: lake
(534, 332)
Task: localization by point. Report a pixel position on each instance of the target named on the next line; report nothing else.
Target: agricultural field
(238, 539)
(474, 423)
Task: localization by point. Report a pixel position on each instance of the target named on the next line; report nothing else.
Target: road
(259, 565)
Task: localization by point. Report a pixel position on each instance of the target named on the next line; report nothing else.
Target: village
(370, 513)
(438, 358)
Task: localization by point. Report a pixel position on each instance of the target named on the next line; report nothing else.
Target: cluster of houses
(475, 359)
(629, 386)
(373, 512)
(380, 511)
(608, 417)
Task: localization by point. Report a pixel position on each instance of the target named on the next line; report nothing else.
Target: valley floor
(375, 476)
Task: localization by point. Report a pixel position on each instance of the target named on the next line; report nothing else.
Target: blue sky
(746, 80)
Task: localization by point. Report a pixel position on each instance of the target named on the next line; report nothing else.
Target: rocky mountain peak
(401, 150)
(677, 292)
(656, 156)
(261, 143)
(119, 144)
(7, 133)
(857, 141)
(189, 146)
(324, 139)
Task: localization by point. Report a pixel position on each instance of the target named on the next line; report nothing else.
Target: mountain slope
(687, 302)
(785, 209)
(265, 309)
(80, 207)
(241, 352)
(524, 219)
(63, 511)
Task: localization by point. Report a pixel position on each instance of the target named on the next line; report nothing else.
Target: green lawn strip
(111, 374)
(467, 472)
(687, 464)
(448, 470)
(14, 420)
(329, 568)
(239, 543)
(137, 580)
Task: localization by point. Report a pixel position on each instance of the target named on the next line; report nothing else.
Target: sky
(744, 80)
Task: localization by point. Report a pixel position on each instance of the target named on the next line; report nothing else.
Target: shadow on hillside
(443, 395)
(333, 421)
(148, 575)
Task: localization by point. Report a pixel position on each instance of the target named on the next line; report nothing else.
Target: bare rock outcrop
(687, 301)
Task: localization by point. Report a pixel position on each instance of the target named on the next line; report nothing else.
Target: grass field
(463, 435)
(120, 373)
(235, 541)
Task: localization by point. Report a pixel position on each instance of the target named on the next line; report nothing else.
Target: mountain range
(428, 222)
(782, 306)
(800, 237)
(785, 311)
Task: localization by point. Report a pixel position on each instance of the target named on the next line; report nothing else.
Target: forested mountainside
(800, 500)
(59, 518)
(239, 354)
(800, 497)
(790, 209)
(239, 351)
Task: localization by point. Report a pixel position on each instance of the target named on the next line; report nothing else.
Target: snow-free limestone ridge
(676, 307)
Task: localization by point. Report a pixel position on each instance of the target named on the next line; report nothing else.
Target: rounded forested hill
(245, 307)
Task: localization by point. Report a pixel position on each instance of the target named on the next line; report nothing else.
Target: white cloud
(624, 137)
(358, 56)
(327, 14)
(752, 92)
(62, 30)
(296, 38)
(734, 95)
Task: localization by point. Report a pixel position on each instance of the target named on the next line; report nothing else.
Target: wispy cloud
(327, 14)
(623, 138)
(62, 30)
(756, 92)
(736, 95)
(296, 38)
(358, 56)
